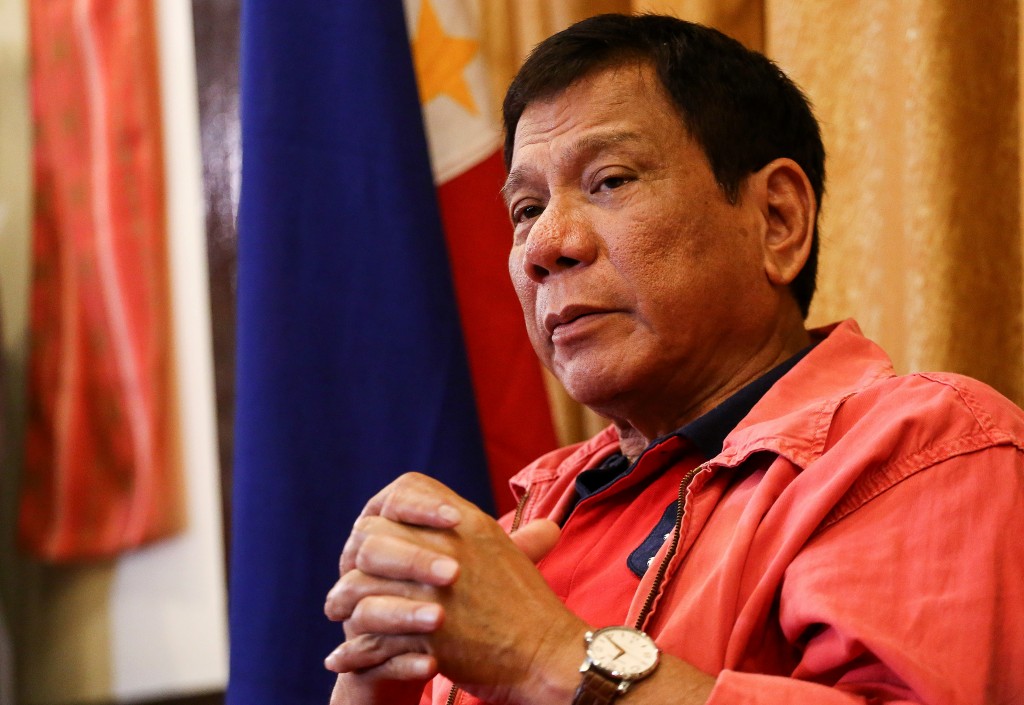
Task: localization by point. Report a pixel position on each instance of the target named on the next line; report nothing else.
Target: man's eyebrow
(584, 146)
(512, 183)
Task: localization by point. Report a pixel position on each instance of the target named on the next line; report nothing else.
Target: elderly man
(773, 516)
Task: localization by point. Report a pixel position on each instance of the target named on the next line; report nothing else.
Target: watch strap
(595, 688)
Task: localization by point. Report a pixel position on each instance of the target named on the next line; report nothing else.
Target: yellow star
(440, 59)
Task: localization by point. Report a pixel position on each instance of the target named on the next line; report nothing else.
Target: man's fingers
(355, 585)
(537, 538)
(406, 539)
(390, 657)
(395, 558)
(394, 615)
(419, 500)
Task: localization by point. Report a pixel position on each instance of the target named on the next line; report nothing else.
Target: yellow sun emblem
(440, 60)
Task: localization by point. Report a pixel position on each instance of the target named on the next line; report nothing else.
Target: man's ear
(789, 207)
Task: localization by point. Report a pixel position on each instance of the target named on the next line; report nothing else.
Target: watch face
(623, 652)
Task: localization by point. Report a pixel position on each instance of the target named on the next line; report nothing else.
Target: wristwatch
(616, 658)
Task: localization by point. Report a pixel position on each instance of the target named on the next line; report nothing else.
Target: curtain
(921, 236)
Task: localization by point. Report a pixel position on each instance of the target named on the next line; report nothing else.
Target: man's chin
(594, 391)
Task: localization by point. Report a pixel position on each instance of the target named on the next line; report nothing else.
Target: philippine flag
(378, 332)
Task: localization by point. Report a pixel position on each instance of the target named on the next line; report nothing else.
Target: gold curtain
(919, 105)
(919, 102)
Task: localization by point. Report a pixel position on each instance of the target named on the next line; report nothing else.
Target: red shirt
(859, 538)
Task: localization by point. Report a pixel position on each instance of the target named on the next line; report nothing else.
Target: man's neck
(634, 438)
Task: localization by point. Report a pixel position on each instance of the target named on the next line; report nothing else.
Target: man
(773, 515)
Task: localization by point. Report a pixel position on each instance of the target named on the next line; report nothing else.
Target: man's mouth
(569, 315)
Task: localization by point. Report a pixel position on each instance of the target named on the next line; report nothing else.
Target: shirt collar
(708, 431)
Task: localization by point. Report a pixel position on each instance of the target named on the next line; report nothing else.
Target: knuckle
(374, 644)
(373, 551)
(420, 560)
(407, 488)
(333, 610)
(347, 592)
(401, 484)
(393, 504)
(363, 560)
(345, 560)
(363, 615)
(364, 525)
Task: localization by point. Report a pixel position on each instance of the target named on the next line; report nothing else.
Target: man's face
(641, 285)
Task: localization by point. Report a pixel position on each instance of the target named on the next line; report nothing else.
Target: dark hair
(739, 106)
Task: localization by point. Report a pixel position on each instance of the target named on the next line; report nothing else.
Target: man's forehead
(597, 98)
(616, 83)
(634, 71)
(596, 138)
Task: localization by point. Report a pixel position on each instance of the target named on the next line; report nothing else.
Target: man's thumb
(536, 538)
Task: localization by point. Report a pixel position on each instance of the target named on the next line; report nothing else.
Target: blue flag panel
(351, 367)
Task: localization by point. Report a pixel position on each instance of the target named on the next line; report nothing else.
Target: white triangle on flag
(457, 138)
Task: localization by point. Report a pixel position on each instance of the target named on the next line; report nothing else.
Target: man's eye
(526, 213)
(612, 182)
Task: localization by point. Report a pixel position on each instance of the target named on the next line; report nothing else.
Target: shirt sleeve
(915, 597)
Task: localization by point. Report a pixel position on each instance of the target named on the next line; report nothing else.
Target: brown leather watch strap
(595, 689)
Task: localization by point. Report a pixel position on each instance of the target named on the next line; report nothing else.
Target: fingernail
(421, 666)
(444, 568)
(428, 615)
(449, 513)
(331, 662)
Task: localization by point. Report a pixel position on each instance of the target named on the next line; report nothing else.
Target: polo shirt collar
(708, 431)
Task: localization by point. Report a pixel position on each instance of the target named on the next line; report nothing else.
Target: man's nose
(560, 239)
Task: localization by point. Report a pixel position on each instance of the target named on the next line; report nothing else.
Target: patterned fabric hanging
(98, 478)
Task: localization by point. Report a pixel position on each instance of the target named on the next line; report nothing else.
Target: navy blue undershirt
(707, 433)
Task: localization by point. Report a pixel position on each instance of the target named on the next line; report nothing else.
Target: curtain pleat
(921, 241)
(740, 19)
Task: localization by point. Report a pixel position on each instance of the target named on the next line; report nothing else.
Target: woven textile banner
(98, 479)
